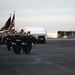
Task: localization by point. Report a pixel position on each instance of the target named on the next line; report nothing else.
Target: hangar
(39, 33)
(66, 34)
(34, 30)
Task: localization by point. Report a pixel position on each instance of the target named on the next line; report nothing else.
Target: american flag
(12, 23)
(7, 24)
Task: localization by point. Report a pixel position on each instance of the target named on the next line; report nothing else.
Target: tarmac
(56, 57)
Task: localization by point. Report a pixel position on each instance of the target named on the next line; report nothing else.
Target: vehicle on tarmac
(41, 39)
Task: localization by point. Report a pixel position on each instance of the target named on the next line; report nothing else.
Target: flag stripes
(7, 24)
(12, 23)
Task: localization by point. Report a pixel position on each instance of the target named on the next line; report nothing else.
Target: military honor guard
(24, 42)
(19, 42)
(29, 42)
(8, 42)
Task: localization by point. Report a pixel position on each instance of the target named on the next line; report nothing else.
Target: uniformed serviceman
(24, 42)
(8, 39)
(0, 40)
(29, 42)
(18, 44)
(14, 43)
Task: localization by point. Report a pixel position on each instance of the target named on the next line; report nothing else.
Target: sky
(53, 15)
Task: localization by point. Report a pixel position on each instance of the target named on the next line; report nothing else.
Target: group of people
(18, 42)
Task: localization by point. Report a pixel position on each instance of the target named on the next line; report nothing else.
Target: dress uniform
(24, 43)
(8, 39)
(14, 43)
(29, 42)
(18, 44)
(0, 40)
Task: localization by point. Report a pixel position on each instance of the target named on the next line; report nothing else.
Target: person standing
(29, 42)
(14, 43)
(18, 44)
(0, 40)
(24, 42)
(8, 39)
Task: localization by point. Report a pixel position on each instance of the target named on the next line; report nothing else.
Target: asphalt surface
(56, 57)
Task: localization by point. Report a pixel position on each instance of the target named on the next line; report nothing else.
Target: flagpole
(14, 18)
(10, 16)
(14, 12)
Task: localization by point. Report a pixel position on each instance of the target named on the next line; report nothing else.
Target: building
(34, 30)
(66, 34)
(52, 34)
